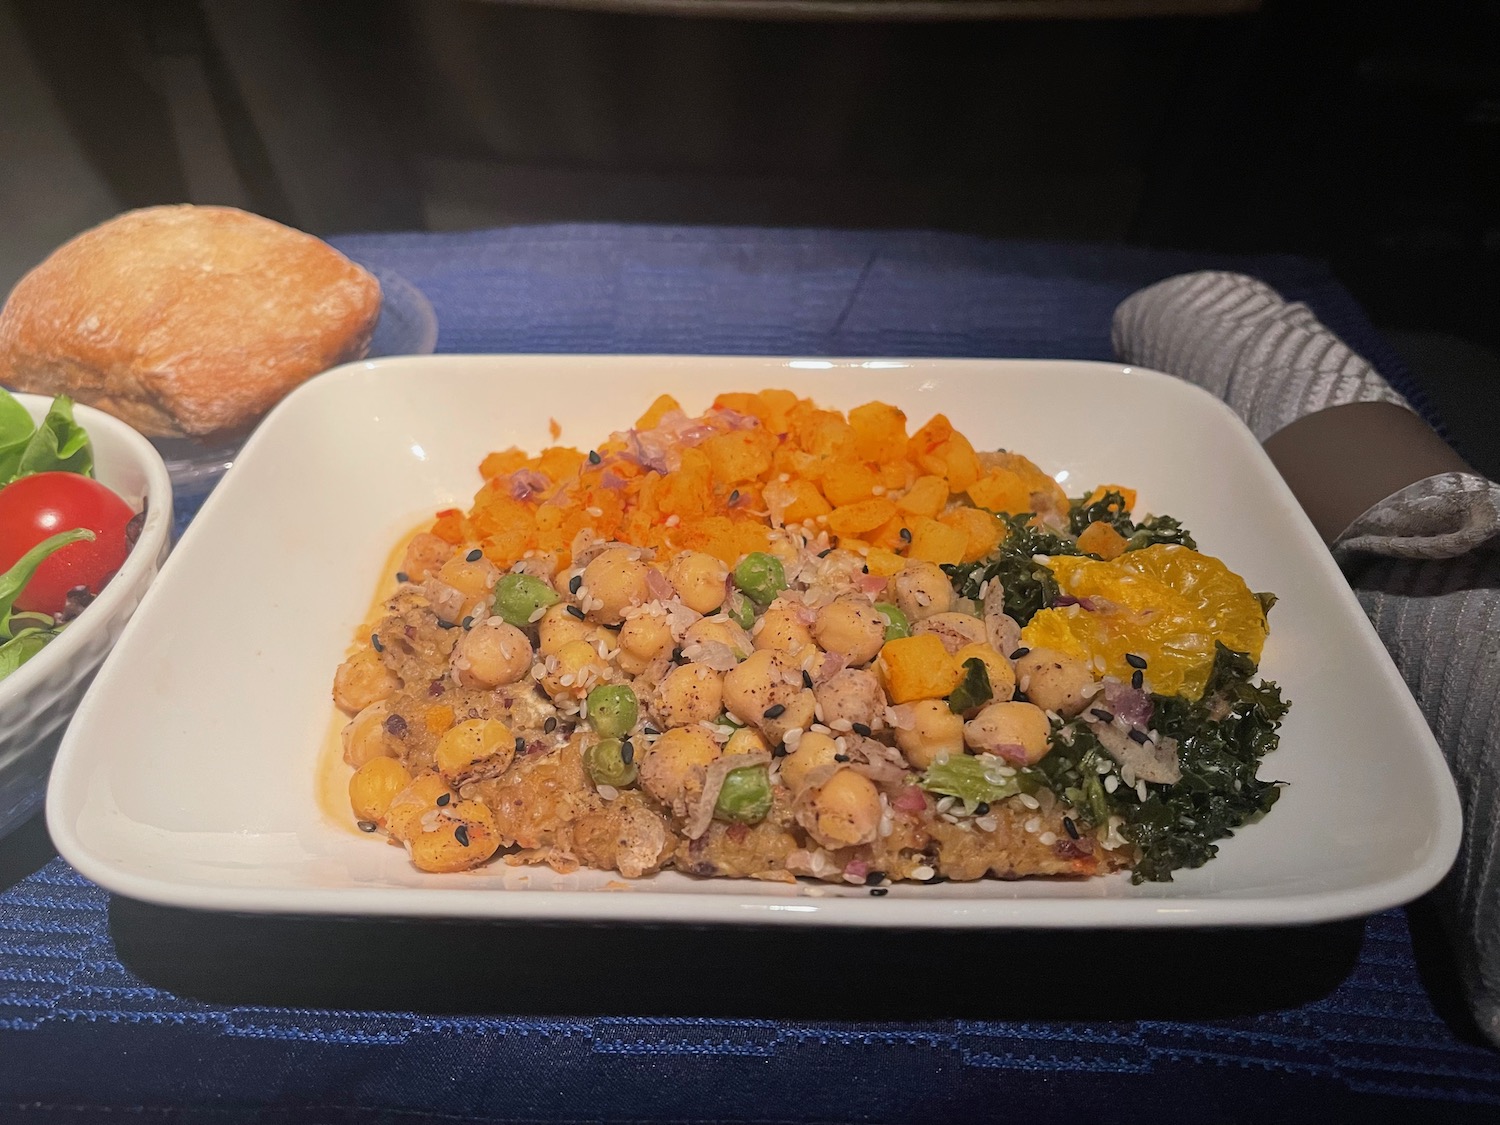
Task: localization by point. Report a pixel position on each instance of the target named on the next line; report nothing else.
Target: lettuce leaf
(59, 444)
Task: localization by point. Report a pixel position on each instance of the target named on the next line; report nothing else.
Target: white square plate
(190, 774)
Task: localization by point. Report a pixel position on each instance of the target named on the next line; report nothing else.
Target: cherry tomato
(38, 506)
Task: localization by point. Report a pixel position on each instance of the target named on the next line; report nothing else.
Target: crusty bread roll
(185, 321)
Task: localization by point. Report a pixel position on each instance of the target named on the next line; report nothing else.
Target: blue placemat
(110, 1008)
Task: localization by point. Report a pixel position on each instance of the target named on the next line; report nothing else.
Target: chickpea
(843, 812)
(645, 636)
(673, 767)
(365, 737)
(781, 628)
(853, 696)
(373, 787)
(955, 630)
(813, 750)
(425, 555)
(690, 693)
(579, 668)
(473, 749)
(852, 627)
(1056, 682)
(921, 590)
(1002, 675)
(465, 836)
(699, 580)
(490, 654)
(746, 740)
(361, 680)
(472, 579)
(936, 732)
(615, 581)
(559, 627)
(404, 814)
(1011, 725)
(765, 691)
(712, 630)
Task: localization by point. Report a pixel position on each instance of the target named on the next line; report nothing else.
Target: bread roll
(185, 321)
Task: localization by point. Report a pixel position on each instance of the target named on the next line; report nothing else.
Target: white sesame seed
(1029, 801)
(922, 873)
(1034, 824)
(1048, 838)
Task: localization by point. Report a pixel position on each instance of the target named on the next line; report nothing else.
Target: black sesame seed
(861, 729)
(879, 892)
(982, 808)
(446, 624)
(841, 757)
(650, 731)
(576, 612)
(874, 878)
(461, 834)
(1139, 737)
(906, 535)
(365, 825)
(1020, 652)
(443, 799)
(779, 750)
(395, 726)
(825, 554)
(594, 457)
(474, 556)
(677, 655)
(806, 678)
(935, 879)
(864, 570)
(401, 576)
(627, 751)
(468, 623)
(1070, 827)
(1137, 679)
(520, 745)
(1135, 661)
(375, 641)
(550, 725)
(575, 583)
(775, 711)
(1102, 715)
(734, 497)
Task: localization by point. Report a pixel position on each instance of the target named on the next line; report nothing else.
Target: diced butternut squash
(653, 416)
(932, 541)
(879, 431)
(849, 482)
(925, 497)
(919, 667)
(1001, 491)
(884, 563)
(807, 504)
(888, 534)
(856, 519)
(1102, 540)
(896, 476)
(928, 438)
(739, 455)
(503, 463)
(981, 529)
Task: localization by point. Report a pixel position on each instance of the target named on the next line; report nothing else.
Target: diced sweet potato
(917, 667)
(653, 415)
(1102, 540)
(925, 497)
(808, 502)
(849, 482)
(932, 541)
(866, 515)
(740, 455)
(879, 431)
(981, 529)
(1001, 491)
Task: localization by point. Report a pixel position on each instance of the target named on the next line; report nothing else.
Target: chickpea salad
(777, 642)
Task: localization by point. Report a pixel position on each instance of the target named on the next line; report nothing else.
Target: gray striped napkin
(1424, 562)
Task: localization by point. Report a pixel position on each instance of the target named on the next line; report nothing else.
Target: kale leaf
(1029, 586)
(1221, 739)
(1110, 508)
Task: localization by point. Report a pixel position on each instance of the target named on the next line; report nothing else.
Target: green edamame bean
(519, 596)
(746, 795)
(741, 610)
(606, 764)
(760, 577)
(896, 623)
(613, 709)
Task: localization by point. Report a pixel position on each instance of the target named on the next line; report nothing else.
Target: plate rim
(838, 909)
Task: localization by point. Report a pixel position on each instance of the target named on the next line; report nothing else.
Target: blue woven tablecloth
(116, 1009)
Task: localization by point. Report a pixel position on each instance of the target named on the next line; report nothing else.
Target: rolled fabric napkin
(1424, 560)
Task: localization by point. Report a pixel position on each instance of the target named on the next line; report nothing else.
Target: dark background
(1367, 134)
